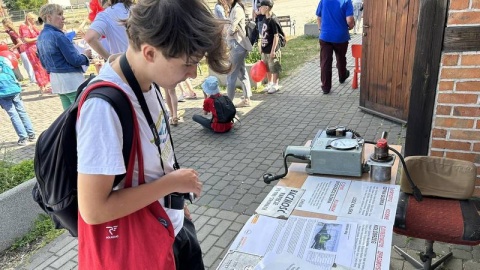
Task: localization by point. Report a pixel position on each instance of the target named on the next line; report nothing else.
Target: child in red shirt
(210, 87)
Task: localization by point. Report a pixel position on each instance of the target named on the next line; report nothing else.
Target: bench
(285, 21)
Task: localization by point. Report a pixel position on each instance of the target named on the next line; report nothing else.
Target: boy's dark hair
(267, 3)
(179, 28)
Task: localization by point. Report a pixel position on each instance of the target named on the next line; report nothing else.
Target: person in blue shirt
(58, 55)
(334, 18)
(11, 102)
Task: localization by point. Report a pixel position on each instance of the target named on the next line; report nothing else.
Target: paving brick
(43, 261)
(226, 239)
(213, 221)
(211, 256)
(221, 227)
(64, 259)
(209, 242)
(211, 212)
(203, 232)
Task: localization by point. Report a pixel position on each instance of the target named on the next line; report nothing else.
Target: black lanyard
(132, 81)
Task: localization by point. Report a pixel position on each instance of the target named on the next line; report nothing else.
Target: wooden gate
(390, 28)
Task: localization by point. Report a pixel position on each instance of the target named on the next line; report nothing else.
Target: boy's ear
(149, 53)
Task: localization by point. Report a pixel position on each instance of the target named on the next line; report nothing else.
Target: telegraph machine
(340, 151)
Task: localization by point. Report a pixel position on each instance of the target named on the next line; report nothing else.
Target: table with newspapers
(319, 222)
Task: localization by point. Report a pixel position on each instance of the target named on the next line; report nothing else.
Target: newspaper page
(236, 260)
(323, 195)
(344, 243)
(258, 235)
(284, 261)
(323, 243)
(371, 201)
(280, 202)
(372, 245)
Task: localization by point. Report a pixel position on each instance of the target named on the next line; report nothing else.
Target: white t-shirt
(107, 23)
(99, 139)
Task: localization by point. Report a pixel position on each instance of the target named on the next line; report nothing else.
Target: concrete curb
(18, 211)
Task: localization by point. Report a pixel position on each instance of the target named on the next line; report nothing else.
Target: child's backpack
(282, 41)
(55, 159)
(225, 109)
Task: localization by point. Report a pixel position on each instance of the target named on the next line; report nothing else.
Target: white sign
(280, 202)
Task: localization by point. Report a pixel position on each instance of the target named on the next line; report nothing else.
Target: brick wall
(456, 125)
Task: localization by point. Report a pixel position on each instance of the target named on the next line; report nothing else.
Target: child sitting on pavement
(210, 87)
(270, 46)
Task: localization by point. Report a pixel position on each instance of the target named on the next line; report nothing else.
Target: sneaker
(346, 77)
(22, 142)
(181, 98)
(31, 138)
(243, 103)
(267, 88)
(273, 89)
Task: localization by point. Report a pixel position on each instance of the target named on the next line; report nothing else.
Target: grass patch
(43, 230)
(298, 51)
(11, 175)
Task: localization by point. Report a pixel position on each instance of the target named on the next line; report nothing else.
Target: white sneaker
(273, 89)
(267, 87)
(181, 98)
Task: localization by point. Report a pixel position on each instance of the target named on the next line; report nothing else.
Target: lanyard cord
(132, 81)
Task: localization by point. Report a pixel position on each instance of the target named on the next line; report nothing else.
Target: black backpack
(55, 159)
(282, 41)
(225, 109)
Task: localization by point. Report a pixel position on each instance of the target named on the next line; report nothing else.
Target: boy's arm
(274, 45)
(97, 202)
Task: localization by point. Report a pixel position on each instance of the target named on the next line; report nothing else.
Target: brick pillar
(456, 123)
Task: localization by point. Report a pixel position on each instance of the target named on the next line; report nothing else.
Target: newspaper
(326, 244)
(323, 195)
(280, 202)
(374, 202)
(236, 260)
(371, 201)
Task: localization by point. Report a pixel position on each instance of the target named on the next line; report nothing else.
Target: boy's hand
(185, 181)
(272, 54)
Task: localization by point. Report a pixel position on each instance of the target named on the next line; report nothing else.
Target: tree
(24, 4)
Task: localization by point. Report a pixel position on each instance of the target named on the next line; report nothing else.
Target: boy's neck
(268, 14)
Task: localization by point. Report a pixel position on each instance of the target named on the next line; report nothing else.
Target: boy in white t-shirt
(160, 51)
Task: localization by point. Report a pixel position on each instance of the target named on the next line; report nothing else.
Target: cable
(269, 177)
(417, 194)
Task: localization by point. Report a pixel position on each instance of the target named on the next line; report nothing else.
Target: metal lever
(366, 26)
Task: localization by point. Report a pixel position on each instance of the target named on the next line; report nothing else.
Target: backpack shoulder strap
(120, 102)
